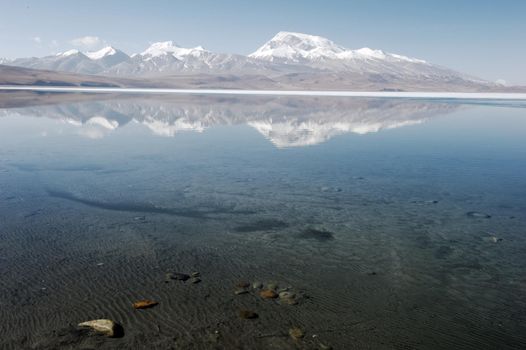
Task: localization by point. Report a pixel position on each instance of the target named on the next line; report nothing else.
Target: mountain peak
(163, 48)
(69, 53)
(303, 48)
(106, 51)
(296, 47)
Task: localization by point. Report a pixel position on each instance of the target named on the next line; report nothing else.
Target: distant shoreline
(326, 93)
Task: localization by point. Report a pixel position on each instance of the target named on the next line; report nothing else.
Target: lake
(262, 222)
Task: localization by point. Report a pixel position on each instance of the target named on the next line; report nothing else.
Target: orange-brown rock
(144, 304)
(268, 294)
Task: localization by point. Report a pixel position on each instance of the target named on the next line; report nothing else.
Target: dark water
(396, 224)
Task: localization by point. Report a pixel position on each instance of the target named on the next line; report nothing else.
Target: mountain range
(288, 60)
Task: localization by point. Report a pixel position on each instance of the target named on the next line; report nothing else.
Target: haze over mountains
(288, 60)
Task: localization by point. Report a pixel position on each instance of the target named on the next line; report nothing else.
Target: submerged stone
(272, 286)
(494, 239)
(104, 326)
(239, 291)
(248, 315)
(268, 294)
(144, 304)
(476, 214)
(288, 298)
(319, 235)
(179, 276)
(285, 295)
(243, 284)
(296, 333)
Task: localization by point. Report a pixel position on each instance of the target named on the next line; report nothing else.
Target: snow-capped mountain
(289, 47)
(287, 57)
(165, 48)
(108, 57)
(323, 54)
(75, 61)
(164, 58)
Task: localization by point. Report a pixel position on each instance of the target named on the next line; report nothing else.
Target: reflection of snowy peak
(305, 133)
(286, 122)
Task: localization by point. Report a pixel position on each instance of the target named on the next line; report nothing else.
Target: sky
(484, 38)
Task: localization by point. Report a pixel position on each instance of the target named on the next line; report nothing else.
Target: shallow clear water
(398, 224)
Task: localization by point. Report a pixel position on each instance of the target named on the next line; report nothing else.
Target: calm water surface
(392, 224)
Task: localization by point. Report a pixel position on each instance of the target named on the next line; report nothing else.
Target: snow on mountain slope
(286, 56)
(166, 57)
(97, 55)
(68, 53)
(297, 47)
(170, 48)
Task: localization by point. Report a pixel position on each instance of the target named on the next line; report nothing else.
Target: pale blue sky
(480, 37)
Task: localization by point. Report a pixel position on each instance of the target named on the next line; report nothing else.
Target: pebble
(495, 239)
(257, 285)
(247, 314)
(195, 280)
(144, 304)
(243, 285)
(286, 295)
(104, 326)
(239, 291)
(272, 286)
(289, 301)
(195, 274)
(268, 294)
(178, 276)
(296, 333)
(476, 214)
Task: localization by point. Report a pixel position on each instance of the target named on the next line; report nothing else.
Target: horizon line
(320, 93)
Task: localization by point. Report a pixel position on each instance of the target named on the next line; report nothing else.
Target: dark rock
(248, 315)
(319, 235)
(243, 284)
(179, 276)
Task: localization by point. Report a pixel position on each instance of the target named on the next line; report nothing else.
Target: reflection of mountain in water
(286, 122)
